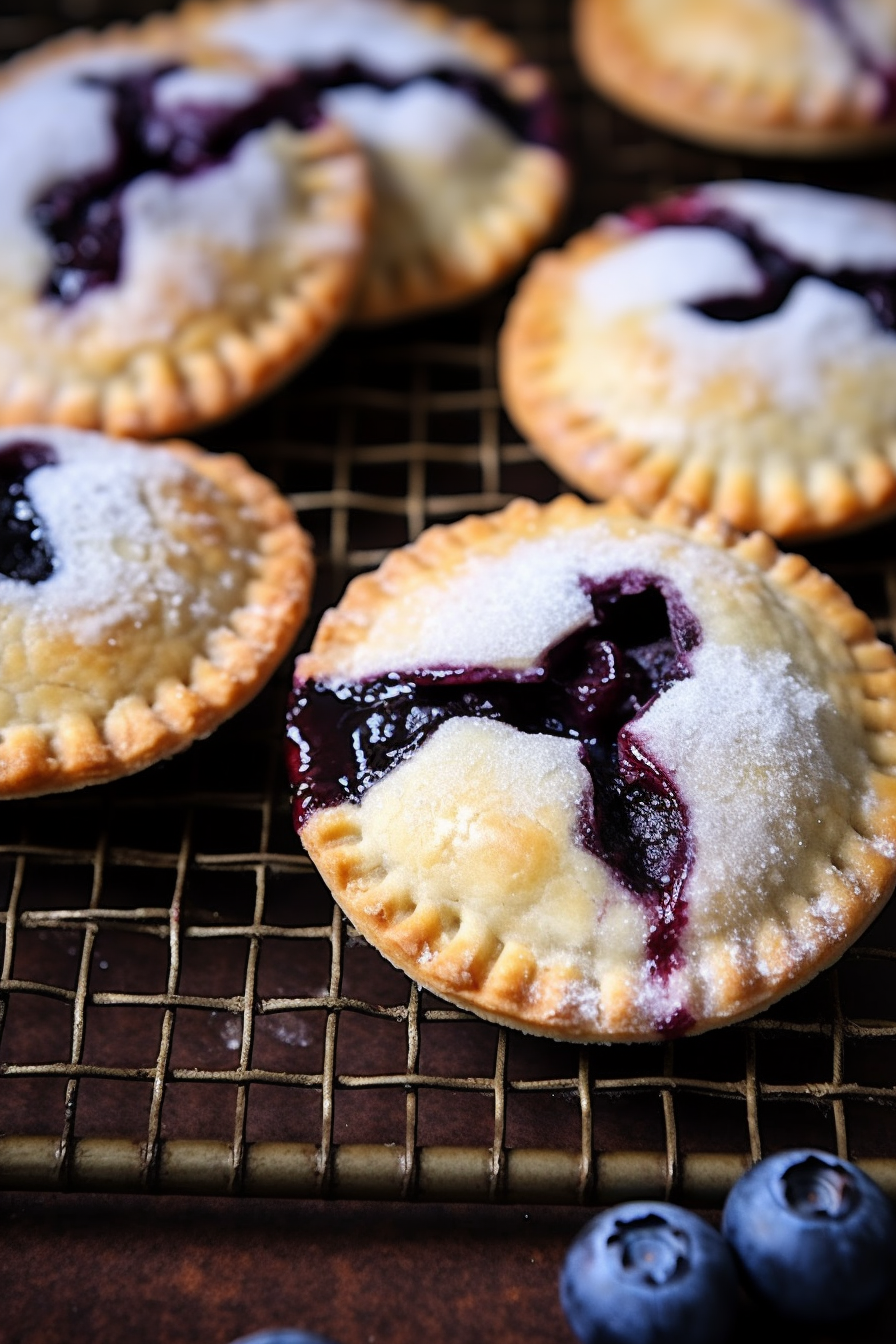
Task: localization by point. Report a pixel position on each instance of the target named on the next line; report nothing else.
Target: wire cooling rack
(182, 1007)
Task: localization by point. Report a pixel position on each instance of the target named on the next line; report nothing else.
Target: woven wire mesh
(183, 1008)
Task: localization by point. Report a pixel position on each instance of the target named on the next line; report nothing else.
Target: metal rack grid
(183, 1009)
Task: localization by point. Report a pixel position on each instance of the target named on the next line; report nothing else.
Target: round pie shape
(146, 594)
(800, 77)
(174, 238)
(596, 776)
(732, 348)
(459, 130)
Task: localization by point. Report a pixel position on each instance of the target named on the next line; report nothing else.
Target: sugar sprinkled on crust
(239, 204)
(668, 265)
(112, 513)
(752, 742)
(654, 278)
(179, 234)
(188, 87)
(425, 118)
(505, 611)
(466, 863)
(55, 126)
(758, 753)
(175, 232)
(51, 127)
(385, 36)
(828, 229)
(788, 353)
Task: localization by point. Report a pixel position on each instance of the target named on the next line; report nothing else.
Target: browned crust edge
(504, 983)
(619, 69)
(494, 248)
(234, 662)
(590, 454)
(163, 390)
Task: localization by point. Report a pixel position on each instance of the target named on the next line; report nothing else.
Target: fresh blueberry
(649, 1274)
(815, 1237)
(282, 1337)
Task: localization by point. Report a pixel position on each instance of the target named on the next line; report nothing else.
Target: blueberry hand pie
(733, 348)
(177, 233)
(146, 593)
(595, 776)
(460, 133)
(766, 76)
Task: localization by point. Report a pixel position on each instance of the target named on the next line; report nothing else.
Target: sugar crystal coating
(116, 516)
(592, 687)
(168, 192)
(399, 82)
(318, 33)
(169, 126)
(785, 291)
(146, 558)
(830, 231)
(729, 772)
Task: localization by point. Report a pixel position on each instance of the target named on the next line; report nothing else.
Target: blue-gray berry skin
(814, 1236)
(648, 1273)
(282, 1337)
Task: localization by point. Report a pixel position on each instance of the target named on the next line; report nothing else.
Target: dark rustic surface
(243, 1037)
(112, 1270)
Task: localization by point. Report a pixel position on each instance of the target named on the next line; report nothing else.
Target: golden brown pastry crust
(426, 250)
(798, 497)
(218, 359)
(502, 978)
(227, 667)
(766, 115)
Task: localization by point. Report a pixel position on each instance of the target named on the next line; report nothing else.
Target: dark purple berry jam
(780, 272)
(591, 687)
(25, 550)
(82, 216)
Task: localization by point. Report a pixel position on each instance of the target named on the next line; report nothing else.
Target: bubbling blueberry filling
(25, 550)
(591, 687)
(780, 272)
(82, 216)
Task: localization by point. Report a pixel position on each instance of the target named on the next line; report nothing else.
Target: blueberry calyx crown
(591, 687)
(25, 550)
(816, 1189)
(651, 1249)
(649, 1273)
(82, 217)
(813, 1234)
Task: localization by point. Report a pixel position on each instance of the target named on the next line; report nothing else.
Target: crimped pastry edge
(506, 985)
(589, 453)
(234, 662)
(533, 201)
(162, 391)
(616, 67)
